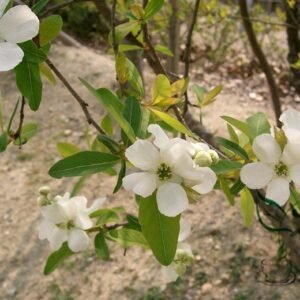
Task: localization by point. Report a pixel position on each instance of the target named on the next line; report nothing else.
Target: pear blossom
(274, 170)
(66, 219)
(167, 166)
(19, 24)
(183, 257)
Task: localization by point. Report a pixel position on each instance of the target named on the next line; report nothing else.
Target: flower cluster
(66, 219)
(170, 166)
(277, 165)
(19, 24)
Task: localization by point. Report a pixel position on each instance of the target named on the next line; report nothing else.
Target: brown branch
(106, 227)
(22, 116)
(81, 102)
(262, 59)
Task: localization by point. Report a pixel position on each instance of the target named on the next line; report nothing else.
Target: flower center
(164, 172)
(281, 169)
(67, 226)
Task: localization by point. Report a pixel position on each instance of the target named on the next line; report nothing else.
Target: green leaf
(295, 199)
(105, 215)
(247, 206)
(225, 166)
(163, 49)
(235, 148)
(199, 91)
(67, 149)
(225, 188)
(233, 135)
(32, 53)
(133, 223)
(113, 105)
(78, 185)
(49, 29)
(29, 83)
(109, 143)
(210, 96)
(28, 131)
(39, 6)
(107, 125)
(174, 123)
(237, 187)
(122, 30)
(83, 163)
(122, 174)
(126, 47)
(128, 237)
(258, 124)
(242, 126)
(56, 258)
(47, 73)
(3, 141)
(132, 113)
(152, 8)
(161, 232)
(101, 246)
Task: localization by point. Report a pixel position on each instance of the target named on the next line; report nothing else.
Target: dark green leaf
(101, 246)
(160, 231)
(3, 141)
(225, 166)
(120, 177)
(235, 148)
(152, 8)
(237, 187)
(56, 258)
(83, 163)
(39, 6)
(133, 223)
(295, 199)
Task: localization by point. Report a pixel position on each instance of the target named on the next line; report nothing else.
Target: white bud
(44, 190)
(214, 156)
(203, 159)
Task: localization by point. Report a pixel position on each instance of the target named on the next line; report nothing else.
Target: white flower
(167, 165)
(275, 169)
(66, 219)
(183, 257)
(19, 24)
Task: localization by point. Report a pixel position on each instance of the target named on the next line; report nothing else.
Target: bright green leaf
(67, 149)
(49, 29)
(247, 206)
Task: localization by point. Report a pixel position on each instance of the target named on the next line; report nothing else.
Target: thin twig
(81, 102)
(22, 116)
(107, 227)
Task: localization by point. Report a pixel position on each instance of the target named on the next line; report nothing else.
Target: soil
(228, 255)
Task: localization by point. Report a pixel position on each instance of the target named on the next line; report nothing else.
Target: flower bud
(182, 260)
(214, 156)
(42, 201)
(44, 190)
(203, 159)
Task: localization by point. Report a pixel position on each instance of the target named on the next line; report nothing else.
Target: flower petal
(57, 238)
(143, 184)
(295, 173)
(19, 24)
(143, 155)
(3, 5)
(161, 140)
(266, 148)
(54, 213)
(278, 190)
(290, 119)
(83, 221)
(206, 180)
(97, 204)
(168, 274)
(185, 230)
(10, 56)
(171, 199)
(78, 240)
(256, 175)
(291, 154)
(46, 229)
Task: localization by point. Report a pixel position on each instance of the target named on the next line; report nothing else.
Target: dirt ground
(228, 255)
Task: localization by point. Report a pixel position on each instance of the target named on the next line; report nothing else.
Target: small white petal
(266, 148)
(278, 190)
(83, 221)
(290, 119)
(3, 5)
(97, 204)
(171, 199)
(291, 154)
(256, 175)
(57, 238)
(295, 173)
(161, 140)
(46, 229)
(78, 240)
(143, 184)
(10, 56)
(168, 274)
(143, 155)
(54, 213)
(19, 24)
(185, 230)
(206, 180)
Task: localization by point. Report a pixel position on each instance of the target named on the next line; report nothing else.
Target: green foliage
(28, 131)
(258, 124)
(83, 163)
(152, 8)
(49, 29)
(235, 148)
(247, 206)
(67, 149)
(295, 199)
(101, 246)
(225, 166)
(105, 215)
(161, 232)
(56, 258)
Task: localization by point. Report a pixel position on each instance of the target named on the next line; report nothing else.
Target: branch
(81, 102)
(22, 116)
(262, 59)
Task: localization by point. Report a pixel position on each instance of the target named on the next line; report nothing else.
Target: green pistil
(69, 225)
(164, 172)
(281, 169)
